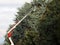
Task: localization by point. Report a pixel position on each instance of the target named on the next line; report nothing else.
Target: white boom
(15, 27)
(11, 41)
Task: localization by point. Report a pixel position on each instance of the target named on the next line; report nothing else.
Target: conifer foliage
(40, 27)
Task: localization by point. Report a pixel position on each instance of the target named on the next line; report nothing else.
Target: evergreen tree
(41, 26)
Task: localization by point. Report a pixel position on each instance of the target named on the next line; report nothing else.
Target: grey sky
(8, 9)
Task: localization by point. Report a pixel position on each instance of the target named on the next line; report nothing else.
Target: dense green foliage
(41, 27)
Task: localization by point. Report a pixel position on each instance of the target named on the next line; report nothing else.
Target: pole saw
(9, 34)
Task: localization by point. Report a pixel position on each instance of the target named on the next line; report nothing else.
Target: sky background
(8, 9)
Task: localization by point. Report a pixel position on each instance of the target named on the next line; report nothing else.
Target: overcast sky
(8, 9)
